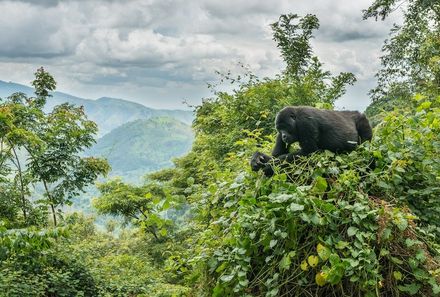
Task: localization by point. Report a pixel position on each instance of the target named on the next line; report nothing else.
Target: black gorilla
(314, 129)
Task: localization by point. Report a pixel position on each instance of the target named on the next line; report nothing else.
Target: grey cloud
(170, 48)
(51, 3)
(227, 8)
(44, 3)
(29, 31)
(340, 35)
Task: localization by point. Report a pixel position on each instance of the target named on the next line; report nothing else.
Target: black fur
(315, 130)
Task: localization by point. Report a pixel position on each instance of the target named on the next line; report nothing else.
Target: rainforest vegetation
(365, 223)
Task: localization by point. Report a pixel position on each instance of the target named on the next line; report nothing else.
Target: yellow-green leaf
(323, 252)
(313, 260)
(424, 105)
(304, 266)
(397, 275)
(419, 97)
(320, 184)
(320, 278)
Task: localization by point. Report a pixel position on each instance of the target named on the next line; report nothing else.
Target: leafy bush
(31, 265)
(361, 223)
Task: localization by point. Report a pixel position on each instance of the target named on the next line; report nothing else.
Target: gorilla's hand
(259, 160)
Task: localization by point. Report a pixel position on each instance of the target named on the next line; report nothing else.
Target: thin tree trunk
(152, 231)
(54, 215)
(23, 198)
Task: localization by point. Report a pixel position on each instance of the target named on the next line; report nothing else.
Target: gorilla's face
(286, 127)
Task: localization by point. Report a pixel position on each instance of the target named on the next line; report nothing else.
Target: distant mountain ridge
(109, 113)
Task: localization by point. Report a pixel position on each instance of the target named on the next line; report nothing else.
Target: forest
(364, 223)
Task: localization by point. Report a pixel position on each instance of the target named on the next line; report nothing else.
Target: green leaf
(384, 185)
(396, 260)
(334, 259)
(384, 252)
(217, 291)
(221, 267)
(323, 252)
(419, 97)
(352, 231)
(304, 266)
(226, 277)
(386, 233)
(163, 232)
(320, 184)
(424, 105)
(421, 255)
(243, 282)
(340, 245)
(411, 289)
(335, 274)
(420, 274)
(401, 223)
(285, 262)
(435, 287)
(397, 275)
(410, 242)
(296, 207)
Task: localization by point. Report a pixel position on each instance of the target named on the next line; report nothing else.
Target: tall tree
(140, 205)
(411, 57)
(293, 34)
(38, 147)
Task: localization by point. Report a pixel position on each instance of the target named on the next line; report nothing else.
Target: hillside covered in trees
(143, 146)
(363, 223)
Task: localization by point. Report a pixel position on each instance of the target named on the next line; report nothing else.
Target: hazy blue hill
(108, 113)
(141, 146)
(7, 88)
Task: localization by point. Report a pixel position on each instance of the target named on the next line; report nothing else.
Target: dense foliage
(410, 61)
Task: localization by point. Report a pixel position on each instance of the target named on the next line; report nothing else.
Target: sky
(161, 52)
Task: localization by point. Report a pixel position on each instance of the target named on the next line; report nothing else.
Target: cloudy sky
(161, 52)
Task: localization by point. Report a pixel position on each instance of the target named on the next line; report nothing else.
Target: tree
(38, 147)
(140, 205)
(410, 63)
(64, 173)
(292, 35)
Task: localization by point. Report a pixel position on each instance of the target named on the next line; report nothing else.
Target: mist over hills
(107, 112)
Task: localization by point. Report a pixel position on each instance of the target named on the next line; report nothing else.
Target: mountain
(142, 146)
(107, 112)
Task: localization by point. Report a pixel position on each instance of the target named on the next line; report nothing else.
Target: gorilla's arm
(364, 129)
(280, 147)
(308, 136)
(308, 140)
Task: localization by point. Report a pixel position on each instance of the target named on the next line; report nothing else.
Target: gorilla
(315, 130)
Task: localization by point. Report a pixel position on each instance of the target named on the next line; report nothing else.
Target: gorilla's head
(286, 126)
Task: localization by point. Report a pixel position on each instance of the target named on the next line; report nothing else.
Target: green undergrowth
(358, 224)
